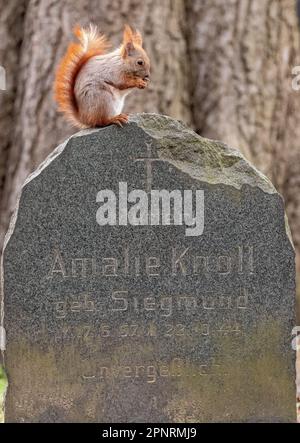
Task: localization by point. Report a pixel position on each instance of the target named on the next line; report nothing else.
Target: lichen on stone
(205, 160)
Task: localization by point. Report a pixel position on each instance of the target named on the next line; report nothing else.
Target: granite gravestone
(126, 305)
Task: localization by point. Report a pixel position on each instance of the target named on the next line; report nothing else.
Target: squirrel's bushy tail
(91, 43)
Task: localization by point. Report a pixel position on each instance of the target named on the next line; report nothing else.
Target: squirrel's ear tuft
(137, 38)
(128, 42)
(131, 35)
(128, 35)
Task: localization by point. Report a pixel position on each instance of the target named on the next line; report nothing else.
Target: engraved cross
(148, 162)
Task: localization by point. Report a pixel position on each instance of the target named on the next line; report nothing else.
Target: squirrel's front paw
(120, 120)
(141, 84)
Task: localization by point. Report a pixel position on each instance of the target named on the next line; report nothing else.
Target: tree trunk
(11, 34)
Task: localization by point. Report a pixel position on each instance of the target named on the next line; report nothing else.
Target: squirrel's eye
(140, 62)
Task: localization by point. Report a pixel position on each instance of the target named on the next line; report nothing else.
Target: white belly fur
(119, 98)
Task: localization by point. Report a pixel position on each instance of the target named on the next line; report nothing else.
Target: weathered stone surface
(143, 323)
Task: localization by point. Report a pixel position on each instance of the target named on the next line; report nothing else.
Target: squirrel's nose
(147, 77)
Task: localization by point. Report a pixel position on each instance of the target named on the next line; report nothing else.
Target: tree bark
(11, 34)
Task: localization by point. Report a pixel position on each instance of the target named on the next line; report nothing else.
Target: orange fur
(90, 44)
(132, 36)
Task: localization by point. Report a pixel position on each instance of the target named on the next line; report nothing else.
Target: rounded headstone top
(205, 160)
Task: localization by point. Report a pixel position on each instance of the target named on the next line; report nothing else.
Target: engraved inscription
(165, 305)
(181, 262)
(89, 335)
(154, 318)
(150, 373)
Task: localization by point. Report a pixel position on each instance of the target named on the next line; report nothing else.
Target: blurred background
(222, 66)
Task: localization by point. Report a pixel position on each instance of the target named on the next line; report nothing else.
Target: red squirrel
(91, 84)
